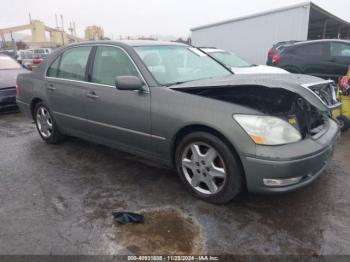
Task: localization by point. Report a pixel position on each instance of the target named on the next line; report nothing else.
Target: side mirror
(129, 83)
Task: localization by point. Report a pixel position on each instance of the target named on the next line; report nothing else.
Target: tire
(224, 173)
(344, 122)
(47, 127)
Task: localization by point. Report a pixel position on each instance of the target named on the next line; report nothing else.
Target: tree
(21, 45)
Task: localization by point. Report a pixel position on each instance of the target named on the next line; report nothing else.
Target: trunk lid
(8, 77)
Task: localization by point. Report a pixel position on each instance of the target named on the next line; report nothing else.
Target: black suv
(328, 59)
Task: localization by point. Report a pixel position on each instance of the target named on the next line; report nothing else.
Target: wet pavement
(58, 199)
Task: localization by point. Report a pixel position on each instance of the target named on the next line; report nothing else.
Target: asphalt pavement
(58, 199)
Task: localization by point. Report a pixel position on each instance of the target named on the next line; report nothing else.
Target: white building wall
(251, 38)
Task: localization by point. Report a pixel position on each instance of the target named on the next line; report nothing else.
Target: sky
(146, 17)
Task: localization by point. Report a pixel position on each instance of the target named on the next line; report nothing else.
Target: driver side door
(118, 117)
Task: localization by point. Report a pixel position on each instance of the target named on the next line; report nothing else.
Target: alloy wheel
(204, 168)
(44, 122)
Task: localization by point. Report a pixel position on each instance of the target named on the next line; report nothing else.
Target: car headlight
(268, 130)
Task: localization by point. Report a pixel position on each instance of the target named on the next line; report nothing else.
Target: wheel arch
(203, 128)
(34, 102)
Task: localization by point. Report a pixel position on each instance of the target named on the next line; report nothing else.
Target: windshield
(229, 59)
(8, 63)
(177, 64)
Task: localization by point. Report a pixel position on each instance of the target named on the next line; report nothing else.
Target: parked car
(25, 58)
(9, 69)
(276, 47)
(9, 52)
(238, 65)
(41, 52)
(327, 59)
(173, 103)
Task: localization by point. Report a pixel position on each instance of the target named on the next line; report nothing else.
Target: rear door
(314, 58)
(66, 89)
(117, 116)
(340, 58)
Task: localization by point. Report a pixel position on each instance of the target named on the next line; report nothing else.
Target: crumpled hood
(290, 82)
(8, 77)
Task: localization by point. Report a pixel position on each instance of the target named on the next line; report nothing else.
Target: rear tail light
(17, 89)
(276, 59)
(36, 61)
(271, 53)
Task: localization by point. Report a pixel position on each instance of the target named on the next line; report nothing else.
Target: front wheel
(46, 125)
(208, 168)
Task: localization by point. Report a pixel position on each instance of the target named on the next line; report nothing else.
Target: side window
(109, 63)
(311, 50)
(53, 69)
(73, 63)
(340, 49)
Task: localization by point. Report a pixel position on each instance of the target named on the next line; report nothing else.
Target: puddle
(165, 231)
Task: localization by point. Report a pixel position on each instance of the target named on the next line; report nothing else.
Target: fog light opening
(279, 182)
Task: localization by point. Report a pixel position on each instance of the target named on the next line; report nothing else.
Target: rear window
(311, 50)
(340, 49)
(71, 64)
(8, 63)
(53, 69)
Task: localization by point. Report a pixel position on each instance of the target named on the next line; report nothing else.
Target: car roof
(319, 41)
(132, 43)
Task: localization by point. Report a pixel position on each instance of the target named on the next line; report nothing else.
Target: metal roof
(277, 10)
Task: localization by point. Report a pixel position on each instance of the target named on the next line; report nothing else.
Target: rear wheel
(208, 168)
(46, 125)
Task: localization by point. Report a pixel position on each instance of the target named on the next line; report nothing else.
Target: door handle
(92, 95)
(51, 87)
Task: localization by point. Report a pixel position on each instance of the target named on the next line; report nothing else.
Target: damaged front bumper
(284, 168)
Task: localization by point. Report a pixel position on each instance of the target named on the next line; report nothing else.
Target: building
(94, 33)
(37, 37)
(252, 36)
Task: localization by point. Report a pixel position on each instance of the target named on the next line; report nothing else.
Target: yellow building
(94, 33)
(37, 37)
(58, 37)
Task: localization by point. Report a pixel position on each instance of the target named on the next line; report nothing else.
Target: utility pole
(75, 29)
(62, 32)
(56, 22)
(14, 47)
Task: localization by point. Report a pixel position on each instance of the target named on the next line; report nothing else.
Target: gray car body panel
(150, 125)
(290, 82)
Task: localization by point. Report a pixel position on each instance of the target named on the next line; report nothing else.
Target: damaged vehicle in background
(170, 102)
